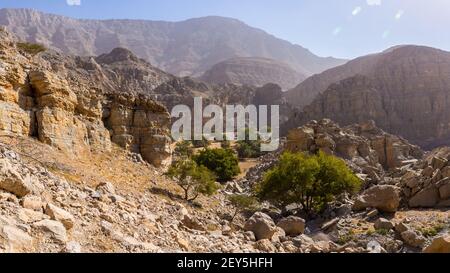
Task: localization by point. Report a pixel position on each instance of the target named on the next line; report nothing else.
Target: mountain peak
(118, 54)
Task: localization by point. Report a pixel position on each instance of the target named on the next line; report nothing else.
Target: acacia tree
(193, 179)
(311, 180)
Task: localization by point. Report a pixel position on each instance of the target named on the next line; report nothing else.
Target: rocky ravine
(75, 177)
(405, 90)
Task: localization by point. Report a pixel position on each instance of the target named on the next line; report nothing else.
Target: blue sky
(340, 28)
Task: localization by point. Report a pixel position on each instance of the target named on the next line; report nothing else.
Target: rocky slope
(76, 105)
(405, 90)
(187, 48)
(253, 71)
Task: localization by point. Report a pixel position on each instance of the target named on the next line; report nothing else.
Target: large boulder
(261, 225)
(439, 245)
(382, 197)
(426, 198)
(11, 180)
(293, 226)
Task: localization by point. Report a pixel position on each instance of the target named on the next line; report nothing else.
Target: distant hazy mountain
(405, 89)
(182, 48)
(253, 71)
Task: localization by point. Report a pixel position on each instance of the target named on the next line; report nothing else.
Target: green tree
(243, 203)
(249, 148)
(223, 162)
(193, 179)
(183, 149)
(311, 180)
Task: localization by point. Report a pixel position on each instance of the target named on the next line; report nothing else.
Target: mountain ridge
(185, 48)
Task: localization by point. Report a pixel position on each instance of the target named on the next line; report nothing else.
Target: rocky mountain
(77, 105)
(253, 71)
(187, 48)
(406, 90)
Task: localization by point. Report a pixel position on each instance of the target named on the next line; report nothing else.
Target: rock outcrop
(78, 109)
(367, 149)
(404, 90)
(427, 183)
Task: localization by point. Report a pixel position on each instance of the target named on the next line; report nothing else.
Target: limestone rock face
(404, 90)
(80, 105)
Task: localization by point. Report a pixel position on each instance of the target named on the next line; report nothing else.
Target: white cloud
(399, 14)
(73, 2)
(374, 2)
(356, 11)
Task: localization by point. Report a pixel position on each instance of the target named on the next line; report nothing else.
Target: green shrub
(31, 48)
(223, 162)
(193, 179)
(242, 203)
(249, 148)
(183, 149)
(311, 180)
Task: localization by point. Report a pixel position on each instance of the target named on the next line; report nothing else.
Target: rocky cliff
(406, 91)
(187, 48)
(253, 71)
(77, 106)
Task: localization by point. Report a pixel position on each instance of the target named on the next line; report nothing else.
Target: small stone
(72, 247)
(33, 203)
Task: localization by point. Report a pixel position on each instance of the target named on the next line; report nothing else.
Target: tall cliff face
(76, 107)
(187, 48)
(406, 92)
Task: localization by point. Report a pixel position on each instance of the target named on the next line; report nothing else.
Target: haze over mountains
(187, 48)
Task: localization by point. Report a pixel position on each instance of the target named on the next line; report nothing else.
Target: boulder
(383, 223)
(426, 198)
(413, 239)
(14, 239)
(382, 197)
(265, 246)
(261, 225)
(56, 230)
(32, 202)
(439, 245)
(60, 215)
(293, 226)
(12, 181)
